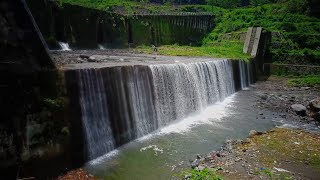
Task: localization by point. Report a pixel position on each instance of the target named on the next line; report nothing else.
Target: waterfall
(101, 47)
(64, 46)
(244, 75)
(120, 104)
(95, 116)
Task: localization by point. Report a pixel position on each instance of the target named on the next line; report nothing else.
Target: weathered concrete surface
(247, 41)
(290, 69)
(256, 42)
(252, 42)
(85, 28)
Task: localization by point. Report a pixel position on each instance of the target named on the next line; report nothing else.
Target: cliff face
(30, 90)
(21, 41)
(86, 28)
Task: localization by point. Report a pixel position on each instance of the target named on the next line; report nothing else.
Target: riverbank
(290, 151)
(278, 154)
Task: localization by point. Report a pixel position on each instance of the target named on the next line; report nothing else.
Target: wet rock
(195, 163)
(316, 116)
(315, 105)
(200, 168)
(253, 133)
(92, 59)
(264, 96)
(97, 58)
(207, 158)
(299, 109)
(198, 156)
(187, 176)
(305, 88)
(82, 56)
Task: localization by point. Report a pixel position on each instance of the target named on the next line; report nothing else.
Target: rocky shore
(290, 151)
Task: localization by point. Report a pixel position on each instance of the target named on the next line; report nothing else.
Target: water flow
(182, 89)
(64, 46)
(243, 74)
(95, 116)
(142, 99)
(101, 47)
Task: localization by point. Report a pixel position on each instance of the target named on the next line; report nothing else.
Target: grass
(219, 50)
(286, 144)
(295, 36)
(131, 7)
(295, 40)
(205, 174)
(305, 81)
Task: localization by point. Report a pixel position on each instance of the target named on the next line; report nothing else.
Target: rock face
(28, 86)
(315, 105)
(299, 109)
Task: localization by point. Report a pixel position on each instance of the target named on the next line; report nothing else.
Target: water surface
(169, 150)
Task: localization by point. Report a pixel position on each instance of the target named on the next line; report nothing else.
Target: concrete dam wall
(116, 104)
(85, 28)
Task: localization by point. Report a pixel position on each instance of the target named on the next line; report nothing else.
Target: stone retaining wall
(290, 69)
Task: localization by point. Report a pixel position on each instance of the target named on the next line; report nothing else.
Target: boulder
(82, 56)
(97, 58)
(195, 163)
(299, 109)
(315, 105)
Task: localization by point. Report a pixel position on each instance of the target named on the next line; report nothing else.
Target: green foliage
(305, 81)
(205, 174)
(298, 6)
(223, 49)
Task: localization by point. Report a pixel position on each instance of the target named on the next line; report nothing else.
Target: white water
(121, 104)
(210, 115)
(64, 46)
(101, 47)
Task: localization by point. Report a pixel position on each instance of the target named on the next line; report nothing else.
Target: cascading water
(64, 46)
(101, 47)
(244, 74)
(95, 116)
(120, 104)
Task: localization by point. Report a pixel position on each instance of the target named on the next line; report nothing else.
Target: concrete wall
(86, 28)
(290, 69)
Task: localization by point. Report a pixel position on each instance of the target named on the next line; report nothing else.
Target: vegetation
(219, 50)
(205, 174)
(305, 81)
(296, 146)
(295, 35)
(132, 7)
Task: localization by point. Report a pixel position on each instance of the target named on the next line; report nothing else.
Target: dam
(125, 100)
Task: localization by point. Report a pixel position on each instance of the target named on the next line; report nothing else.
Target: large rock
(195, 163)
(315, 105)
(97, 58)
(299, 109)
